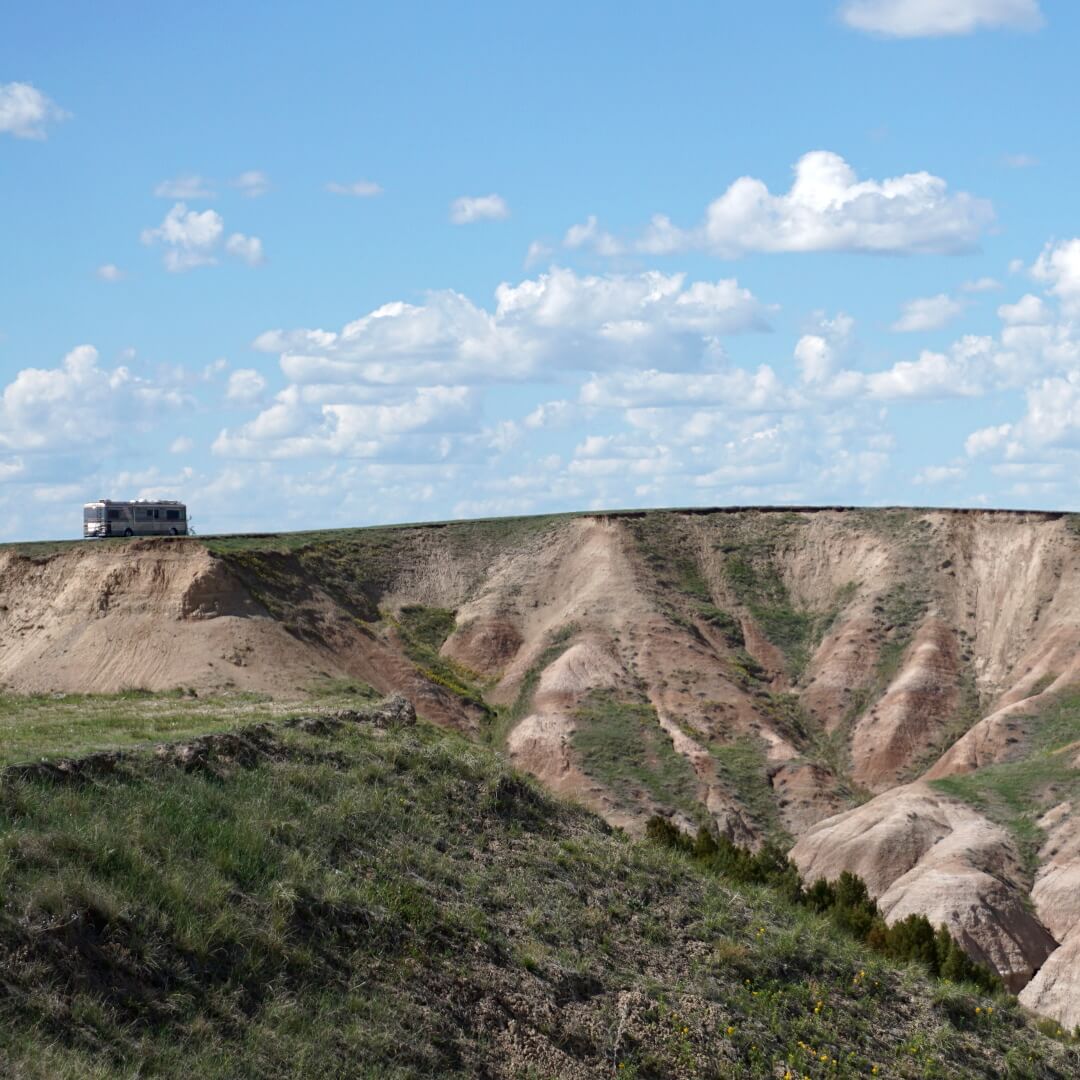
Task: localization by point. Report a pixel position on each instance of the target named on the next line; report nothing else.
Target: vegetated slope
(821, 677)
(358, 895)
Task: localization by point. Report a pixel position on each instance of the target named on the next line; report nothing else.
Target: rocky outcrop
(920, 852)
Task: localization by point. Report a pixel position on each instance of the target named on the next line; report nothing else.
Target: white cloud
(11, 469)
(558, 320)
(936, 18)
(963, 371)
(188, 186)
(927, 313)
(1029, 310)
(110, 272)
(252, 183)
(826, 209)
(1019, 161)
(359, 189)
(79, 404)
(1059, 267)
(939, 474)
(245, 385)
(192, 238)
(25, 111)
(247, 248)
(981, 285)
(551, 414)
(589, 234)
(1052, 418)
(538, 252)
(469, 208)
(817, 354)
(986, 439)
(737, 389)
(293, 428)
(181, 445)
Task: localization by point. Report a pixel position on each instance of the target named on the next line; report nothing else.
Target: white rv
(142, 517)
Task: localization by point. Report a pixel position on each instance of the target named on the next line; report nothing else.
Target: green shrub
(847, 901)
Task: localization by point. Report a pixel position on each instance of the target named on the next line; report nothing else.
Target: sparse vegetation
(1017, 793)
(428, 626)
(622, 744)
(507, 719)
(742, 766)
(755, 581)
(423, 631)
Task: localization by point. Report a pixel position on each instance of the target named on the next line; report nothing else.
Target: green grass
(723, 621)
(758, 586)
(742, 765)
(621, 743)
(422, 631)
(662, 543)
(62, 725)
(1017, 793)
(426, 625)
(395, 903)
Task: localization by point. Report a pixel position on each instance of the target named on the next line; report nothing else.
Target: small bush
(847, 901)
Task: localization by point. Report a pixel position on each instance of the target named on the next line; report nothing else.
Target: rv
(141, 517)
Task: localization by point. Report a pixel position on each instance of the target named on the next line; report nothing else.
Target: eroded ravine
(890, 690)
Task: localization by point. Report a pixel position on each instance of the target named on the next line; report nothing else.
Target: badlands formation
(892, 692)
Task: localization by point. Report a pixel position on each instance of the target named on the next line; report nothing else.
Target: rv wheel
(128, 532)
(173, 531)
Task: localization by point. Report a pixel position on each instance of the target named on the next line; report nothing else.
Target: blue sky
(327, 264)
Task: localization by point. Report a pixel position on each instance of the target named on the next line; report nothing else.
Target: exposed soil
(807, 666)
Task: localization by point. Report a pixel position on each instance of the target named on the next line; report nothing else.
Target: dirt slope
(892, 690)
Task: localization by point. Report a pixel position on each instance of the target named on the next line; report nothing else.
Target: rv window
(172, 515)
(114, 515)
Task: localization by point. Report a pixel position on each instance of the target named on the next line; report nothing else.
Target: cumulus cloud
(294, 427)
(181, 445)
(927, 313)
(26, 112)
(246, 248)
(558, 320)
(938, 18)
(252, 183)
(77, 404)
(827, 208)
(1029, 310)
(986, 439)
(110, 272)
(589, 234)
(358, 189)
(188, 186)
(817, 354)
(1059, 268)
(469, 208)
(245, 385)
(192, 238)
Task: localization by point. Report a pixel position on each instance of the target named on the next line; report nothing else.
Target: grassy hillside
(368, 897)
